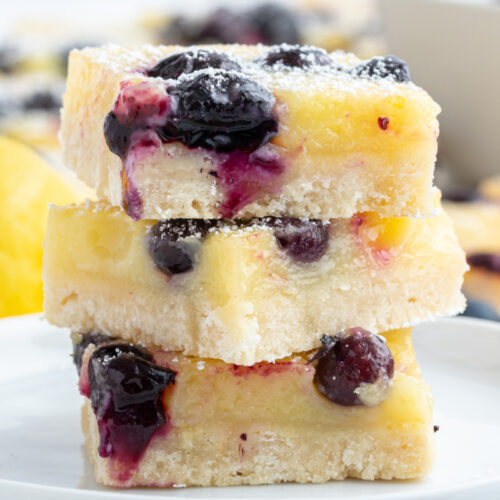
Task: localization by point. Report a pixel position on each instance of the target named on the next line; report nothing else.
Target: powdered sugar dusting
(338, 76)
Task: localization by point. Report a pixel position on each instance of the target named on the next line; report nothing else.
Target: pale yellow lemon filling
(284, 393)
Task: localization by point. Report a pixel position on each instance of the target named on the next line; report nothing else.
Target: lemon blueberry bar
(249, 131)
(246, 291)
(242, 293)
(330, 25)
(356, 407)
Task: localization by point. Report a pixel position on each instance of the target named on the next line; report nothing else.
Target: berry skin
(489, 261)
(170, 255)
(181, 63)
(304, 240)
(117, 135)
(383, 122)
(275, 24)
(81, 342)
(384, 67)
(221, 112)
(139, 107)
(349, 362)
(125, 392)
(247, 176)
(295, 56)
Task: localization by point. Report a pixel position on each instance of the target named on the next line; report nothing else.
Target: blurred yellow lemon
(27, 186)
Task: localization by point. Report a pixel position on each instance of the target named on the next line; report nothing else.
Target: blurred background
(451, 46)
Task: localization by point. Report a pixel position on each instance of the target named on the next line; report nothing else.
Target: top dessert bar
(249, 131)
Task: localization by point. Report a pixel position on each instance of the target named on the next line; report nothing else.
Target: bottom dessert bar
(158, 418)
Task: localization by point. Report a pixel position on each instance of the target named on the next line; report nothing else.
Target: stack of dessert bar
(243, 293)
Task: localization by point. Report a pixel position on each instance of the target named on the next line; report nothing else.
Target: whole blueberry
(228, 26)
(304, 240)
(275, 24)
(295, 56)
(348, 361)
(384, 67)
(169, 252)
(220, 111)
(174, 65)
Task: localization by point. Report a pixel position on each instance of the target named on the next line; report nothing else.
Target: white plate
(41, 451)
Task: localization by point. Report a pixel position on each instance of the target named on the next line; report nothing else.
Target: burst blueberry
(125, 393)
(220, 111)
(117, 134)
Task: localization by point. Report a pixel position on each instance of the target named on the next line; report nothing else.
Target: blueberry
(221, 26)
(172, 257)
(169, 254)
(489, 261)
(171, 67)
(125, 392)
(460, 195)
(304, 240)
(384, 67)
(228, 26)
(81, 342)
(220, 111)
(346, 362)
(42, 101)
(268, 23)
(275, 24)
(479, 309)
(139, 108)
(115, 348)
(295, 56)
